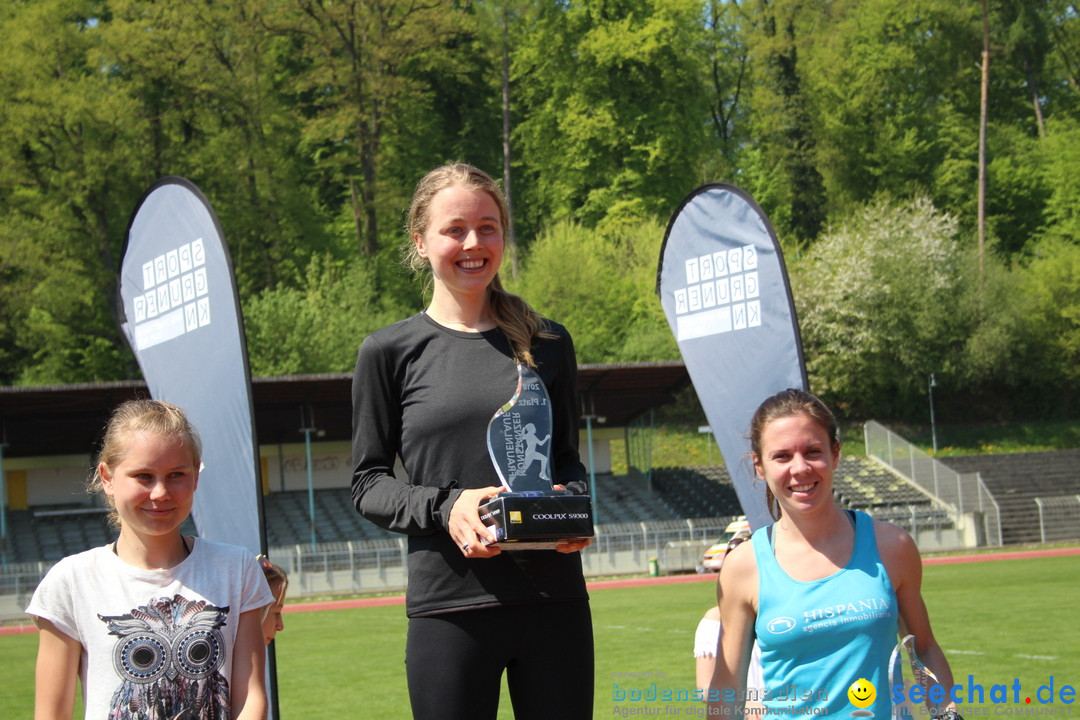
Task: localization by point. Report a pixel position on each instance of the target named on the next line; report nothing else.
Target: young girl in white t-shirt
(155, 625)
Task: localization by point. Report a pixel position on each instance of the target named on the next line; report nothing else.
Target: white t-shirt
(707, 639)
(154, 642)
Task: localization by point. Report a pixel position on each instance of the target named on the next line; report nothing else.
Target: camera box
(536, 521)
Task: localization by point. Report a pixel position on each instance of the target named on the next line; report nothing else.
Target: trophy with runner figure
(531, 514)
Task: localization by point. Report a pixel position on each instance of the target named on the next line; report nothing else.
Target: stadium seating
(1015, 480)
(862, 483)
(288, 518)
(47, 533)
(697, 491)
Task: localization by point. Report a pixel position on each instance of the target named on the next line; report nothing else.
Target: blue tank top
(818, 638)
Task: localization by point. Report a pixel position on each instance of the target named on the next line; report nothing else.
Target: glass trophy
(531, 514)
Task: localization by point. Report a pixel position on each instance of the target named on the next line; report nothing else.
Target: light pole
(3, 508)
(587, 400)
(933, 423)
(592, 467)
(307, 419)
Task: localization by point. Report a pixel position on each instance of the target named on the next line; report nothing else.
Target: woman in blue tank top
(823, 590)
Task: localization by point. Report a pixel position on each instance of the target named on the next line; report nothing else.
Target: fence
(371, 566)
(963, 493)
(1059, 517)
(934, 528)
(17, 583)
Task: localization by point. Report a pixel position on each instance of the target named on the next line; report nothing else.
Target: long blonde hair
(141, 415)
(515, 317)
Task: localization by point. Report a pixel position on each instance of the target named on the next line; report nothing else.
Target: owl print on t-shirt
(168, 655)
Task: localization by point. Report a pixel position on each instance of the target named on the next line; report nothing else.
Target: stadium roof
(68, 419)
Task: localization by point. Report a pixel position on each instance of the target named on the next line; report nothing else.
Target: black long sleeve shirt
(426, 393)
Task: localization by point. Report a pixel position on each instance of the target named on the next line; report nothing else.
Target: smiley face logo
(862, 693)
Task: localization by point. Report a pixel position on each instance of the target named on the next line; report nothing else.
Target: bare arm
(904, 565)
(705, 664)
(736, 594)
(249, 669)
(704, 667)
(56, 673)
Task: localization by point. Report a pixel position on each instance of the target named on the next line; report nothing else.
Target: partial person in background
(424, 390)
(278, 580)
(823, 590)
(155, 624)
(707, 640)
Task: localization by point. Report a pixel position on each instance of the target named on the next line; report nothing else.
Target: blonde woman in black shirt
(424, 390)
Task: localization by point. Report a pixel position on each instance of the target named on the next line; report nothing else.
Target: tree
(502, 16)
(361, 66)
(601, 288)
(1052, 282)
(894, 89)
(1064, 55)
(782, 116)
(613, 104)
(1061, 153)
(315, 325)
(1027, 39)
(729, 71)
(206, 78)
(65, 181)
(875, 299)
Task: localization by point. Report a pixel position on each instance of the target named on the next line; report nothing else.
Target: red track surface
(1017, 555)
(632, 582)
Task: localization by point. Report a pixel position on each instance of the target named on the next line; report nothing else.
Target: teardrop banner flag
(180, 312)
(724, 288)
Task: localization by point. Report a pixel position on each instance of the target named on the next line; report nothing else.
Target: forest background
(930, 221)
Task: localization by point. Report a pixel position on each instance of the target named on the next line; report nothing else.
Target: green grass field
(997, 621)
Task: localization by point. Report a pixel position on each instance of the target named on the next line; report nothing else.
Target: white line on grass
(1019, 655)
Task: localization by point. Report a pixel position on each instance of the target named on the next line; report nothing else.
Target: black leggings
(454, 662)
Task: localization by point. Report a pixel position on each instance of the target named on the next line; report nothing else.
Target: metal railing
(1059, 517)
(962, 492)
(372, 566)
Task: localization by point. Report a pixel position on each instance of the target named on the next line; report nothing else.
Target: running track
(633, 582)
